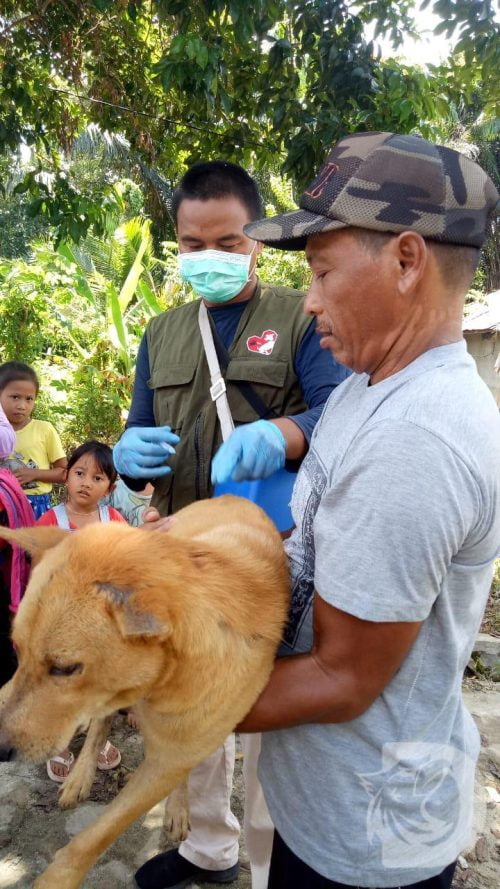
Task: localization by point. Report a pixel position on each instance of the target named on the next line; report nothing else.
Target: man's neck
(410, 345)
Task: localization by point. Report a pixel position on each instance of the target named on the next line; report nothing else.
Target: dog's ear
(131, 620)
(34, 540)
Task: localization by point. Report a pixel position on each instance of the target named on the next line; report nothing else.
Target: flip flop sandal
(63, 761)
(113, 763)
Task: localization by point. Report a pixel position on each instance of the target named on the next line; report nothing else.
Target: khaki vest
(181, 382)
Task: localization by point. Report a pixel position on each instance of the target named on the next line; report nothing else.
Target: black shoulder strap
(254, 400)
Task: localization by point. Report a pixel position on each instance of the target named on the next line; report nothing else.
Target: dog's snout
(7, 753)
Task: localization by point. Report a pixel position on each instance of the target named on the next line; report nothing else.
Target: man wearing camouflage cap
(369, 779)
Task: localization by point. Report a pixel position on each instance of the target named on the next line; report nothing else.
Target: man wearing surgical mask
(173, 439)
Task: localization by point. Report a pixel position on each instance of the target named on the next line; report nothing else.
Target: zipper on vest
(198, 457)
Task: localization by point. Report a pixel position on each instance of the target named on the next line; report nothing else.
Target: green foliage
(98, 171)
(406, 99)
(77, 314)
(280, 267)
(23, 325)
(71, 212)
(476, 55)
(90, 401)
(17, 228)
(282, 194)
(30, 322)
(264, 84)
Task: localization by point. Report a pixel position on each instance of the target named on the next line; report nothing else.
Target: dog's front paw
(62, 878)
(75, 789)
(176, 821)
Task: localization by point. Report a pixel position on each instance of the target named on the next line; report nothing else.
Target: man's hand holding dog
(153, 521)
(142, 451)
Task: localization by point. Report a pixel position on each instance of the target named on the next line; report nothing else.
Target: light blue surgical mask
(215, 275)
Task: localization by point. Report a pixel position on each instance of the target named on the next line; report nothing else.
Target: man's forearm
(296, 443)
(350, 664)
(301, 691)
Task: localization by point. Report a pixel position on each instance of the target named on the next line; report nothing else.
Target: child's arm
(56, 473)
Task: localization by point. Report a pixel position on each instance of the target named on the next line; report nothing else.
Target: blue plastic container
(272, 494)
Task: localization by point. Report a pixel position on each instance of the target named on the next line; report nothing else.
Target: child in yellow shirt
(38, 458)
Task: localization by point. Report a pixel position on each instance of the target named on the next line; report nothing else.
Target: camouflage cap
(389, 183)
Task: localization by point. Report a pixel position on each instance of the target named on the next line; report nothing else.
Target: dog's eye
(65, 671)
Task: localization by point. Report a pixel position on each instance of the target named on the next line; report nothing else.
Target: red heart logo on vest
(264, 344)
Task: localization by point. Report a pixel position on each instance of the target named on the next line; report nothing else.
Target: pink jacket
(7, 435)
(14, 564)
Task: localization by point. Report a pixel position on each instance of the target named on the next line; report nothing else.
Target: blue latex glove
(142, 451)
(252, 451)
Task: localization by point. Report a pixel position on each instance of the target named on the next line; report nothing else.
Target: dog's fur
(182, 624)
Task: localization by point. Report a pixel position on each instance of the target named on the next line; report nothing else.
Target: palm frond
(94, 142)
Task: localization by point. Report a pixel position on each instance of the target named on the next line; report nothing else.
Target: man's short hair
(218, 179)
(456, 263)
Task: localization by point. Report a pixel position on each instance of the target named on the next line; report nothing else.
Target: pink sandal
(66, 761)
(111, 764)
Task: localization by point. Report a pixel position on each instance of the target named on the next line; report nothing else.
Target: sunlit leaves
(260, 83)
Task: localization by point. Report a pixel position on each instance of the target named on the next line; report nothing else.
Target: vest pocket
(172, 387)
(266, 376)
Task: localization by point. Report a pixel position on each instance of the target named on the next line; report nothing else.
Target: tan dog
(184, 625)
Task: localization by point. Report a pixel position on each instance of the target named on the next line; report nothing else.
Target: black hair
(17, 370)
(218, 179)
(102, 454)
(457, 263)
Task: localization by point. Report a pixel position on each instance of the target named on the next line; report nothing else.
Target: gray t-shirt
(398, 519)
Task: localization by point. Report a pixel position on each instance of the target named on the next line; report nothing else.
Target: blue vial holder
(272, 494)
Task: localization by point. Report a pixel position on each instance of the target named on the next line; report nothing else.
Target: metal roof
(483, 316)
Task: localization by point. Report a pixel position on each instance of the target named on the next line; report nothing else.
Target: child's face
(86, 483)
(18, 400)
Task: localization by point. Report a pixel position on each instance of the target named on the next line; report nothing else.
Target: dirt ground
(32, 827)
(479, 865)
